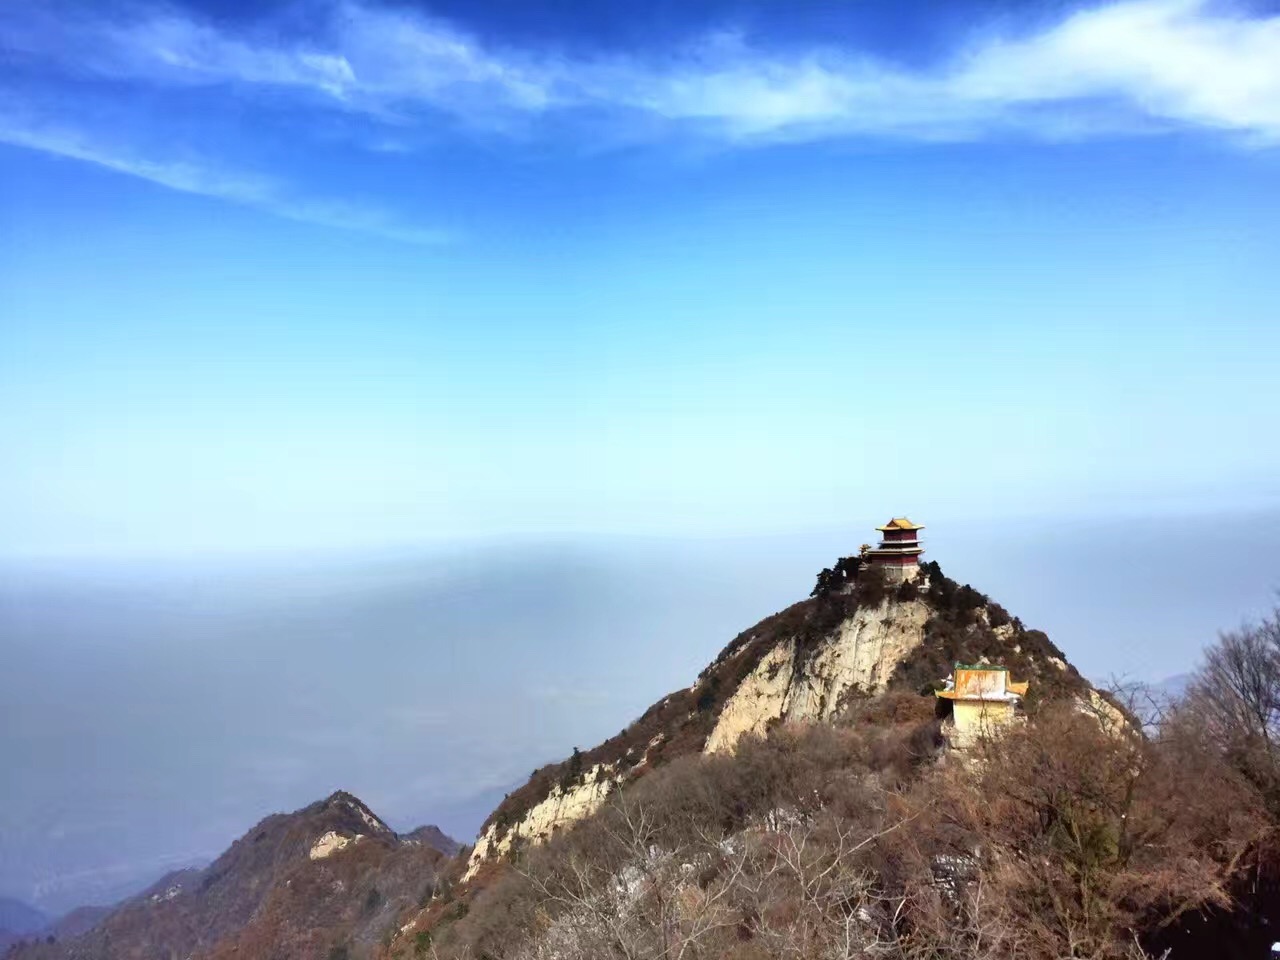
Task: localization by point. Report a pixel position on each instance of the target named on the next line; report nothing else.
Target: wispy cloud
(248, 190)
(1129, 65)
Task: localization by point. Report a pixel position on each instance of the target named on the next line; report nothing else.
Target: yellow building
(983, 699)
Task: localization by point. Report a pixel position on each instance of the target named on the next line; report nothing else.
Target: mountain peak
(297, 885)
(432, 836)
(342, 802)
(868, 627)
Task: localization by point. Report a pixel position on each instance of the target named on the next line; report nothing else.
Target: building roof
(900, 523)
(1007, 696)
(983, 682)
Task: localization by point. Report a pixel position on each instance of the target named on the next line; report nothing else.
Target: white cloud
(1123, 68)
(1171, 59)
(172, 47)
(1137, 63)
(245, 189)
(1168, 62)
(185, 177)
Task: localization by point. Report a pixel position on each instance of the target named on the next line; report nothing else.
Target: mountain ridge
(326, 875)
(19, 919)
(855, 635)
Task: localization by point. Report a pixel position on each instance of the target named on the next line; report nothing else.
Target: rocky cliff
(854, 637)
(857, 658)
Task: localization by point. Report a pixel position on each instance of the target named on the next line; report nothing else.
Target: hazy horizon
(153, 714)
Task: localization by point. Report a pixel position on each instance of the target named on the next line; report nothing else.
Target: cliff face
(561, 807)
(855, 637)
(858, 657)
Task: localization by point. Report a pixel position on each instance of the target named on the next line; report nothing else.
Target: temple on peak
(899, 551)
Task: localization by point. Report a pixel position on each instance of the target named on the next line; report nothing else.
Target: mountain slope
(855, 636)
(75, 922)
(690, 830)
(18, 920)
(435, 838)
(19, 917)
(295, 886)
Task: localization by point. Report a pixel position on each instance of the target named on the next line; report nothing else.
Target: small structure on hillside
(982, 698)
(899, 551)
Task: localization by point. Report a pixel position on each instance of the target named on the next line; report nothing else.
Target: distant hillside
(435, 838)
(77, 921)
(17, 920)
(298, 886)
(22, 922)
(19, 917)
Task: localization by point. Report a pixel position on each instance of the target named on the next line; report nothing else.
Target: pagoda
(899, 551)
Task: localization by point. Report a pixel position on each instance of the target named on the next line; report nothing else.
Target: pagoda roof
(900, 523)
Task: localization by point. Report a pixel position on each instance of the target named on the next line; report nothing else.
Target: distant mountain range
(329, 877)
(21, 922)
(18, 919)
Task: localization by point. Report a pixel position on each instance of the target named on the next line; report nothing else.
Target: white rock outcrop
(330, 843)
(370, 819)
(1109, 716)
(860, 656)
(560, 808)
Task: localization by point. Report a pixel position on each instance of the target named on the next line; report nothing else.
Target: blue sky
(328, 274)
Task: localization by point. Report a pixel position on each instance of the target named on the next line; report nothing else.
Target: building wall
(975, 719)
(895, 559)
(897, 571)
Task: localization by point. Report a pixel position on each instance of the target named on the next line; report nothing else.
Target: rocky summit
(855, 636)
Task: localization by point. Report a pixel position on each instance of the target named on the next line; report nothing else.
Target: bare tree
(623, 894)
(1235, 699)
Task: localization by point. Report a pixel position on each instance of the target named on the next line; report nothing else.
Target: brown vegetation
(967, 627)
(680, 723)
(1068, 836)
